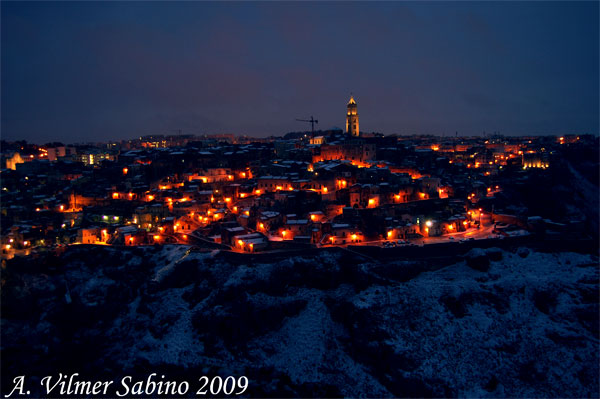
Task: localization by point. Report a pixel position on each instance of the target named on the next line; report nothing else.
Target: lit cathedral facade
(352, 119)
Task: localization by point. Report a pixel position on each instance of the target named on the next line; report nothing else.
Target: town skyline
(76, 72)
(179, 133)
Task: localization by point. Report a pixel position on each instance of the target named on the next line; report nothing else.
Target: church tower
(352, 118)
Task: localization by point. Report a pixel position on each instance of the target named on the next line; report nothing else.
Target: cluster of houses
(255, 195)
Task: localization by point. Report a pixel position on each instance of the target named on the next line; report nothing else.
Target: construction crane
(312, 124)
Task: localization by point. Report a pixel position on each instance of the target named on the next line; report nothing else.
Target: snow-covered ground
(323, 325)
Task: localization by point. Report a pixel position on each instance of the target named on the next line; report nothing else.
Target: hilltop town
(305, 189)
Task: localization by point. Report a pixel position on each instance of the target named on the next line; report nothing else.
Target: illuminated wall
(11, 163)
(534, 160)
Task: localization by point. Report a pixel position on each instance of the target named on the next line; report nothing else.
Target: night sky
(78, 71)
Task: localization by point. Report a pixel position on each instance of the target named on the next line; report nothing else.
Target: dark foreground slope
(504, 325)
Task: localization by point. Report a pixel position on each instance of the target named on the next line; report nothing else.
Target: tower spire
(351, 99)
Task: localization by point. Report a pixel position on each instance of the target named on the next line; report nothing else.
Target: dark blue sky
(79, 71)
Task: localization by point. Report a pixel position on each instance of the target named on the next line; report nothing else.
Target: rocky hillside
(494, 324)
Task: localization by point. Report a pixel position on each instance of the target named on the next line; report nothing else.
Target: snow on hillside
(495, 324)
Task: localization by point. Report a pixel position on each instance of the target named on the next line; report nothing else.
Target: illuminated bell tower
(352, 118)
